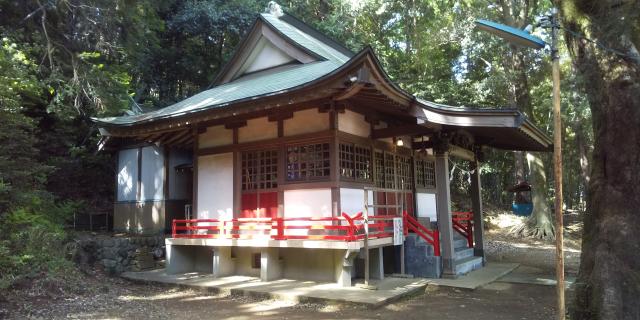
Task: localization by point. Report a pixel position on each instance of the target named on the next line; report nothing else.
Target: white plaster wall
(352, 200)
(215, 136)
(353, 123)
(127, 175)
(426, 205)
(178, 182)
(152, 175)
(215, 186)
(258, 129)
(269, 56)
(306, 121)
(307, 203)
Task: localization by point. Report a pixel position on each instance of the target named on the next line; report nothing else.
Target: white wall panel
(307, 203)
(258, 129)
(306, 121)
(152, 175)
(215, 136)
(352, 200)
(353, 123)
(215, 186)
(127, 175)
(426, 205)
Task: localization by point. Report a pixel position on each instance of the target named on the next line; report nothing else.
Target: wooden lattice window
(346, 160)
(425, 174)
(389, 171)
(379, 163)
(259, 170)
(355, 162)
(308, 162)
(403, 172)
(362, 163)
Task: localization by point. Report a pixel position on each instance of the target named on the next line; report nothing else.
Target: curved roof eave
(428, 111)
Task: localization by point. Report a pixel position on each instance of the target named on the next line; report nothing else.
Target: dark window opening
(255, 262)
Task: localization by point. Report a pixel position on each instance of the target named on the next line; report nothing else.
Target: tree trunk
(583, 154)
(608, 285)
(539, 224)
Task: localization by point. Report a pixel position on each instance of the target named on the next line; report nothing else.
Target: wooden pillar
(194, 170)
(476, 201)
(443, 209)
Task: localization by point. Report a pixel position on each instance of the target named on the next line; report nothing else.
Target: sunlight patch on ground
(267, 305)
(160, 296)
(536, 245)
(505, 220)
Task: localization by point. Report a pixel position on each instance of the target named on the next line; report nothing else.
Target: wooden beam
(421, 145)
(236, 124)
(177, 136)
(461, 153)
(280, 116)
(403, 130)
(350, 91)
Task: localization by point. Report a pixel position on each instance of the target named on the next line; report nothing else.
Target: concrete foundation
(273, 263)
(223, 262)
(270, 264)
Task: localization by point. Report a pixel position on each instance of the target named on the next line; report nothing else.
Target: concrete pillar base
(478, 252)
(223, 263)
(345, 267)
(270, 264)
(178, 259)
(449, 268)
(376, 264)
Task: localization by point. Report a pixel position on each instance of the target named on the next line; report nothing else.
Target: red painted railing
(345, 228)
(432, 237)
(463, 224)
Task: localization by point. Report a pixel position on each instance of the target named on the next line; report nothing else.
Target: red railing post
(279, 229)
(351, 231)
(173, 228)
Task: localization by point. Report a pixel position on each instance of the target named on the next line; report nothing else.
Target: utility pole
(557, 165)
(524, 38)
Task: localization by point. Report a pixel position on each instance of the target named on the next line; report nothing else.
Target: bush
(33, 240)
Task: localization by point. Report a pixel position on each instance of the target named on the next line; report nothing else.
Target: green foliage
(33, 240)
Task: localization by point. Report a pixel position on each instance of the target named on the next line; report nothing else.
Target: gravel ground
(96, 296)
(123, 300)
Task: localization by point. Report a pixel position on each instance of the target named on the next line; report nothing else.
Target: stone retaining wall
(122, 253)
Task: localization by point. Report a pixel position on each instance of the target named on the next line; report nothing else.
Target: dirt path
(116, 299)
(101, 297)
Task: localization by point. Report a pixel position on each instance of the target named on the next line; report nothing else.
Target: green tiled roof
(259, 84)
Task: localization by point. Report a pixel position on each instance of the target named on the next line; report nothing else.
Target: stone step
(423, 266)
(460, 243)
(462, 253)
(467, 265)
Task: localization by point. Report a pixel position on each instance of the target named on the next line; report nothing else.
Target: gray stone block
(108, 263)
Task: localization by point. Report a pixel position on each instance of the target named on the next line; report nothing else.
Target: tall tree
(608, 284)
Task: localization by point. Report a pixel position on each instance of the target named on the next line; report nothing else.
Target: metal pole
(366, 237)
(557, 165)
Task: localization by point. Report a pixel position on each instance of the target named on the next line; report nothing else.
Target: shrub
(33, 240)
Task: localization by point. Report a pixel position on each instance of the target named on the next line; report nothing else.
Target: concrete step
(416, 244)
(462, 253)
(467, 265)
(460, 243)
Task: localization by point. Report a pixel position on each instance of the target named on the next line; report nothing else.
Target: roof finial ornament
(274, 9)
